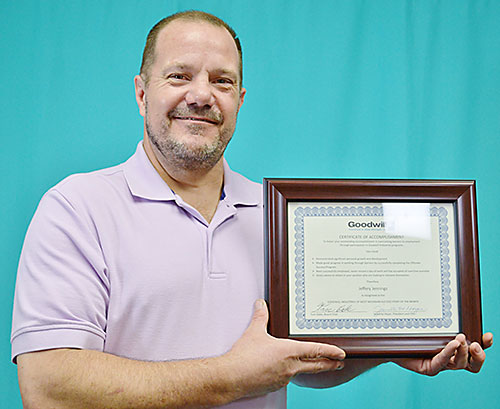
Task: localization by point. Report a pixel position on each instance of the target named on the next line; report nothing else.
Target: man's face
(193, 96)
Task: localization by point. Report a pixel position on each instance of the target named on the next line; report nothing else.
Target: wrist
(227, 379)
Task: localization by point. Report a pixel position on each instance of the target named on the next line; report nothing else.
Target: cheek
(162, 106)
(165, 102)
(230, 110)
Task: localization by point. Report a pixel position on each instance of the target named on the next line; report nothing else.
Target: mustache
(207, 113)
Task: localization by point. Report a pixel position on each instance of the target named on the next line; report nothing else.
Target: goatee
(180, 154)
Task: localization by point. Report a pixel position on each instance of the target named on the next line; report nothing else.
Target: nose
(200, 93)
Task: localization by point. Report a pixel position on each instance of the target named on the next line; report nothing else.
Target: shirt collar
(142, 178)
(145, 182)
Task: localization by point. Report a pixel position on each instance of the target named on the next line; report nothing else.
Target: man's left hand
(457, 354)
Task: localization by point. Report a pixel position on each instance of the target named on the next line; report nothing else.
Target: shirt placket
(224, 211)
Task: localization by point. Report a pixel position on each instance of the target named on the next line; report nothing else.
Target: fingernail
(259, 304)
(341, 366)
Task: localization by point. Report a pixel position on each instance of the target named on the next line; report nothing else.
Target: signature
(325, 308)
(401, 309)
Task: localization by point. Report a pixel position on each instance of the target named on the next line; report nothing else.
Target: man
(136, 283)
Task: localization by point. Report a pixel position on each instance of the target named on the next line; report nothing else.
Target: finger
(487, 340)
(315, 350)
(318, 365)
(477, 357)
(441, 360)
(461, 357)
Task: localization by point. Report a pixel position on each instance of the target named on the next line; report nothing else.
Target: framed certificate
(380, 268)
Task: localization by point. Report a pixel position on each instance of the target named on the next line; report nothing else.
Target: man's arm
(457, 354)
(66, 378)
(257, 364)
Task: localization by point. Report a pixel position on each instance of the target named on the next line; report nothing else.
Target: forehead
(188, 41)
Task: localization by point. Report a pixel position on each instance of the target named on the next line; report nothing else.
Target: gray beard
(181, 156)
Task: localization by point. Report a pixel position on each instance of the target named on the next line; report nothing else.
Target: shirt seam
(47, 328)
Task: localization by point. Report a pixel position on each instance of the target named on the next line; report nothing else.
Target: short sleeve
(62, 288)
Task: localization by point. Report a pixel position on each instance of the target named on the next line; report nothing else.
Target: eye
(176, 76)
(223, 82)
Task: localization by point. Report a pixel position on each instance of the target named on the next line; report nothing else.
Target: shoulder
(91, 181)
(97, 186)
(241, 189)
(254, 187)
(81, 199)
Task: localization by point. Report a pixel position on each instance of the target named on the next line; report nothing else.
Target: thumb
(260, 314)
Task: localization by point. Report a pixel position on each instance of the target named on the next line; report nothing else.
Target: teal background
(365, 89)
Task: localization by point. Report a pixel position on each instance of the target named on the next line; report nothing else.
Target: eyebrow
(175, 67)
(225, 71)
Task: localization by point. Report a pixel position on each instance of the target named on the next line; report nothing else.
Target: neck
(201, 188)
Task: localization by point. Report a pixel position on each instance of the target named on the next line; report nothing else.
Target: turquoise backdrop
(363, 89)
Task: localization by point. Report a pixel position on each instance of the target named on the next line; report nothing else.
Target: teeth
(191, 118)
(197, 119)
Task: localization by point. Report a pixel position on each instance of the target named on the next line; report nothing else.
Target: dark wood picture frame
(279, 192)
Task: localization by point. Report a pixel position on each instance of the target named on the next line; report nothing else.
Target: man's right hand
(269, 363)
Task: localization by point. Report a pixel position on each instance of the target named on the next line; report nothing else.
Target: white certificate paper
(372, 268)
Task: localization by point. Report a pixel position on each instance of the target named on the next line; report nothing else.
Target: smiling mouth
(196, 119)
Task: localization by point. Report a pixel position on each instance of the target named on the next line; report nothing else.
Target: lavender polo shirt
(114, 261)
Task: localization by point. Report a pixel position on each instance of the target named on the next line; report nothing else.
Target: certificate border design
(446, 319)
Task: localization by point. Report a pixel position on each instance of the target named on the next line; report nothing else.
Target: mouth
(196, 119)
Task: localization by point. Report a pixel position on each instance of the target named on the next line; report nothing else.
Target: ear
(242, 97)
(140, 94)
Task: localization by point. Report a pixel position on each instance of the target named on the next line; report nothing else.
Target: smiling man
(190, 95)
(140, 286)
